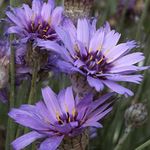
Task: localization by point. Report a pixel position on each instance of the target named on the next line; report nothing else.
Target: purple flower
(29, 24)
(58, 116)
(36, 22)
(97, 55)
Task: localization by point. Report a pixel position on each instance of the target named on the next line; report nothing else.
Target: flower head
(97, 55)
(58, 116)
(36, 22)
(29, 24)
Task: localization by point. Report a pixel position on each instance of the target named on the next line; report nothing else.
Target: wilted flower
(36, 22)
(78, 9)
(4, 69)
(96, 55)
(24, 59)
(58, 117)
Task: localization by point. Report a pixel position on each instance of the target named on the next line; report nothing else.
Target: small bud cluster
(136, 115)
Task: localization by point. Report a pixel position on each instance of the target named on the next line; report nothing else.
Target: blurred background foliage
(134, 24)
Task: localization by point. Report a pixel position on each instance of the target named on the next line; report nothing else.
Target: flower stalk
(75, 10)
(10, 125)
(143, 146)
(33, 84)
(123, 138)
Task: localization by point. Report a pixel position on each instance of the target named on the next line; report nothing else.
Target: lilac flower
(97, 55)
(29, 24)
(36, 22)
(58, 116)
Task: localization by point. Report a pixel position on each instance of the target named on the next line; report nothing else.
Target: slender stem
(121, 23)
(33, 85)
(138, 35)
(32, 95)
(123, 138)
(10, 125)
(141, 147)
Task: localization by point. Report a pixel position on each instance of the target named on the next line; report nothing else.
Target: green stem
(123, 138)
(122, 20)
(33, 85)
(31, 99)
(10, 125)
(140, 24)
(141, 147)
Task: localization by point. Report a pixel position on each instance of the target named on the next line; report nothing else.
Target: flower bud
(136, 115)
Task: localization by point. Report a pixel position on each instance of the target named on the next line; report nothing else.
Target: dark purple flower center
(67, 118)
(95, 63)
(42, 29)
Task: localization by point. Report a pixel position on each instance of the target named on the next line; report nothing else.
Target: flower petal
(51, 143)
(69, 100)
(92, 124)
(28, 12)
(65, 37)
(129, 59)
(14, 19)
(51, 101)
(83, 32)
(36, 6)
(46, 12)
(111, 39)
(99, 116)
(128, 78)
(116, 52)
(25, 140)
(52, 3)
(56, 17)
(118, 88)
(96, 42)
(28, 118)
(96, 83)
(70, 27)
